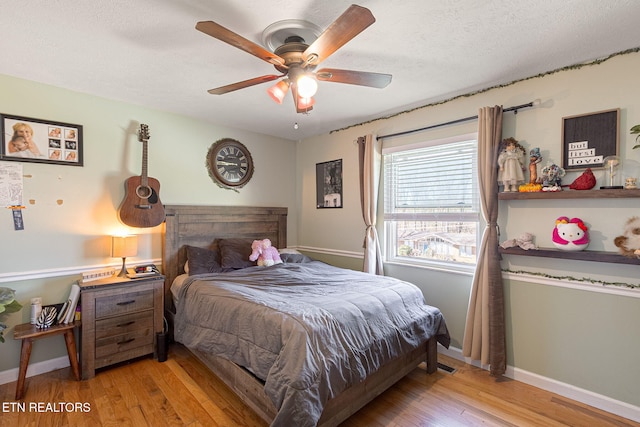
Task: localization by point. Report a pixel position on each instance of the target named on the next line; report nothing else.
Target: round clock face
(229, 163)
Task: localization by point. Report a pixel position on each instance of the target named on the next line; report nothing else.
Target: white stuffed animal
(525, 241)
(629, 242)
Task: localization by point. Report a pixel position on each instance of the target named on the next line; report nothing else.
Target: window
(431, 203)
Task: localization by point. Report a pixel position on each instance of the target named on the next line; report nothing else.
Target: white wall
(583, 339)
(61, 239)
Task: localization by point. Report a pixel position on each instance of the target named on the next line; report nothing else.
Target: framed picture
(588, 138)
(41, 141)
(329, 184)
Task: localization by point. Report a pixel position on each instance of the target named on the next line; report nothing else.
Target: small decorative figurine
(586, 181)
(551, 176)
(510, 172)
(630, 183)
(534, 158)
(570, 234)
(46, 318)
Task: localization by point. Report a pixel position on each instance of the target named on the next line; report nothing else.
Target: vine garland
(467, 95)
(540, 75)
(574, 279)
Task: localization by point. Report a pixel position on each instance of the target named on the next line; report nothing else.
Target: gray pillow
(294, 258)
(203, 260)
(235, 252)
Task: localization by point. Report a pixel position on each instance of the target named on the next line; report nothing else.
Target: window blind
(432, 183)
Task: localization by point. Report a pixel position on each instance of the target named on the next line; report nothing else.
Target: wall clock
(229, 163)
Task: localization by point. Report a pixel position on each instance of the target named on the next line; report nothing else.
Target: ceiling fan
(296, 60)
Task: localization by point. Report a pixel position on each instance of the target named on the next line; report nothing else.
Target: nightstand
(120, 320)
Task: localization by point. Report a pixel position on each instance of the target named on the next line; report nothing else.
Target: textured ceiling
(147, 52)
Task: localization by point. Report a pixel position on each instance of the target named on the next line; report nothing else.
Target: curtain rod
(466, 119)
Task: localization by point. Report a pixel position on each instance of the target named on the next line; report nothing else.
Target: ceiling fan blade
(348, 25)
(221, 33)
(241, 85)
(361, 78)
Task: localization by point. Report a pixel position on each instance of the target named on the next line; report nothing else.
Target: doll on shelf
(511, 169)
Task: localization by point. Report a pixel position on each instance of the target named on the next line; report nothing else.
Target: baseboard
(569, 391)
(38, 368)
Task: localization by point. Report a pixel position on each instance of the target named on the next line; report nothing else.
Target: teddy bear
(629, 242)
(264, 253)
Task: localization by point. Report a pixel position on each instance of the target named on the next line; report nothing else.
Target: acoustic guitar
(141, 206)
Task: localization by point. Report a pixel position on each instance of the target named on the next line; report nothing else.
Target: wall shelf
(593, 256)
(570, 194)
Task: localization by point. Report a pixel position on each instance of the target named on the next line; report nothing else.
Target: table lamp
(122, 247)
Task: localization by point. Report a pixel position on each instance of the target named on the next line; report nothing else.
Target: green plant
(8, 305)
(636, 131)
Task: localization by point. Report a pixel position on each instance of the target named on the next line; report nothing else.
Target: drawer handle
(126, 341)
(126, 302)
(122, 325)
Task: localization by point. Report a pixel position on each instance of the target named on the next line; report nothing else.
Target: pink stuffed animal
(264, 253)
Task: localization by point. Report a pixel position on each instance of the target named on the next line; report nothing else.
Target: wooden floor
(181, 392)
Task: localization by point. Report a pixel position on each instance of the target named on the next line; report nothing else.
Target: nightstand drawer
(122, 324)
(125, 303)
(124, 342)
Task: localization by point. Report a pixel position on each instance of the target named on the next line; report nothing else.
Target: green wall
(577, 336)
(561, 333)
(62, 239)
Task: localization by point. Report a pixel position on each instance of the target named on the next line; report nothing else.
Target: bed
(281, 371)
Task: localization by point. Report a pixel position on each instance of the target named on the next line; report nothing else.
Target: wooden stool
(28, 333)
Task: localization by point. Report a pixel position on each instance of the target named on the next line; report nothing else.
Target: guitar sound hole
(144, 192)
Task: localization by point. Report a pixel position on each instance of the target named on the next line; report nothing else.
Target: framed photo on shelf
(588, 138)
(329, 184)
(26, 139)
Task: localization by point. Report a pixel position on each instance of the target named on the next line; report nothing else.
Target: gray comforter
(307, 330)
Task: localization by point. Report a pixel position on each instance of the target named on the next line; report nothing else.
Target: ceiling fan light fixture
(307, 86)
(295, 49)
(305, 102)
(278, 91)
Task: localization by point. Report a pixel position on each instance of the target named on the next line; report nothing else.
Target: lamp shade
(124, 246)
(304, 103)
(278, 91)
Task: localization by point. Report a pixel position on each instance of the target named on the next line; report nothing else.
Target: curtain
(484, 336)
(370, 158)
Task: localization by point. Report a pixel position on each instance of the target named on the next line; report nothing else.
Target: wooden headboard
(201, 225)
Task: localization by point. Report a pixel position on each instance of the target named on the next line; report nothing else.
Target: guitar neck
(144, 181)
(143, 136)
